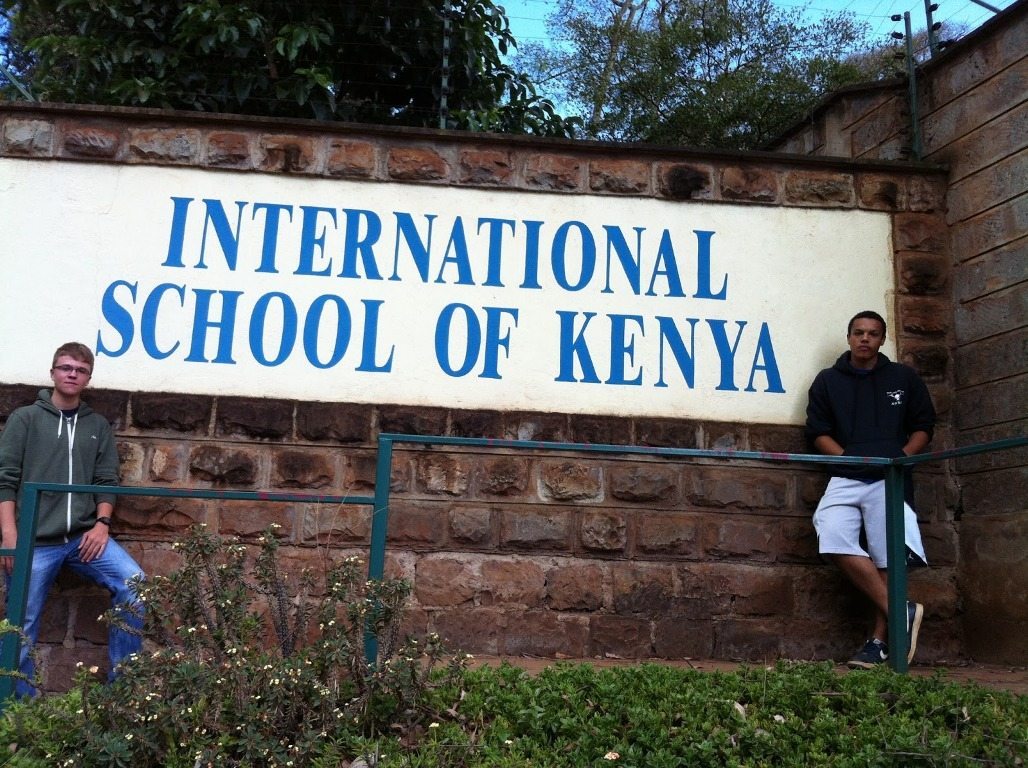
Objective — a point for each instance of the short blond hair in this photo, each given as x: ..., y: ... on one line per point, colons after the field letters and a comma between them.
x: 75, y: 350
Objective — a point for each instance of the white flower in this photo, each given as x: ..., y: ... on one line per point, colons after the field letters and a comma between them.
x: 611, y: 756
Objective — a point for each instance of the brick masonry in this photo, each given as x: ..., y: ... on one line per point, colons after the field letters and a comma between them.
x: 526, y: 552
x: 974, y: 120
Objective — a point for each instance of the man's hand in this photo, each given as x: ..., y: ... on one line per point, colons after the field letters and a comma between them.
x: 93, y: 543
x: 10, y: 541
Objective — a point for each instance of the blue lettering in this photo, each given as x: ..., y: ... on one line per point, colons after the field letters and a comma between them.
x: 269, y: 248
x: 119, y: 318
x: 368, y: 356
x: 457, y: 254
x: 496, y: 227
x: 312, y: 241
x: 312, y: 331
x: 670, y: 337
x: 666, y: 266
x: 148, y: 320
x: 202, y: 323
x: 493, y: 339
x: 622, y: 346
x: 726, y: 352
x: 770, y: 366
x: 631, y: 265
x: 473, y: 339
x: 258, y: 326
x: 355, y: 245
x: 419, y: 249
x: 703, y: 290
x: 178, y: 231
x: 227, y: 238
x: 573, y: 347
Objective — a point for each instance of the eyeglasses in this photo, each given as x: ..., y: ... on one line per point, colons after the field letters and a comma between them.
x: 67, y: 370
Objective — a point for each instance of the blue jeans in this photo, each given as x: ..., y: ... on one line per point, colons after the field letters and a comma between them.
x: 113, y: 570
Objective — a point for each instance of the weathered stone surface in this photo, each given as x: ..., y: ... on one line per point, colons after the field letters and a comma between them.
x: 359, y: 470
x: 604, y: 531
x: 155, y: 519
x: 796, y: 540
x: 30, y: 138
x: 112, y: 404
x: 757, y: 640
x: 416, y: 525
x: 131, y: 456
x: 677, y: 535
x: 543, y: 633
x: 228, y: 149
x: 819, y: 188
x: 549, y: 427
x: 289, y: 154
x: 774, y: 438
x: 752, y: 538
x: 926, y: 193
x: 176, y: 413
x: 737, y: 488
x: 991, y: 229
x: 749, y: 183
x: 994, y: 271
x: 571, y: 481
x: 543, y: 529
x: 642, y: 590
x: 335, y: 422
x: 445, y: 581
x: 250, y: 520
x: 442, y: 474
x: 486, y: 167
x: 412, y: 421
x: 350, y: 159
x: 923, y: 274
x: 473, y: 630
x: 992, y: 314
x: 504, y: 476
x: 335, y: 524
x: 924, y: 316
x: 929, y: 360
x: 677, y: 638
x: 644, y: 483
x: 576, y: 586
x: 995, y: 493
x: 301, y: 469
x: 90, y: 141
x: 919, y: 232
x: 270, y: 419
x: 880, y: 193
x: 476, y: 424
x: 602, y: 430
x: 515, y: 582
x: 472, y: 527
x: 620, y: 637
x: 14, y: 396
x: 215, y: 464
x: 667, y: 433
x: 550, y: 171
x: 622, y: 176
x: 723, y: 437
x: 416, y: 164
x: 163, y: 145
x: 994, y: 402
x: 683, y: 181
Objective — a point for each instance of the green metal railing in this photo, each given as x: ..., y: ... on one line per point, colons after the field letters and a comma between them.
x: 894, y: 491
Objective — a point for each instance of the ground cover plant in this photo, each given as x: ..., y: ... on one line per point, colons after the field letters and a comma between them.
x: 245, y: 668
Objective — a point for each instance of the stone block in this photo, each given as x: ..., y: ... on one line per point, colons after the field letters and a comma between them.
x: 990, y: 272
x: 168, y: 463
x: 686, y: 181
x: 737, y: 489
x: 444, y: 582
x: 476, y: 424
x: 218, y: 465
x: 131, y: 458
x: 940, y: 541
x: 473, y: 630
x: 547, y: 427
x: 553, y: 172
x: 996, y: 459
x: 753, y: 640
x: 929, y: 360
x: 924, y: 316
x: 178, y: 146
x: 642, y: 590
x: 991, y: 229
x: 62, y: 664
x: 511, y: 582
x: 359, y: 470
x: 416, y: 525
x: 412, y: 421
x: 228, y: 149
x: 302, y: 469
x: 416, y: 164
x: 619, y: 176
x: 751, y: 538
x: 249, y: 520
x: 154, y: 518
x: 880, y: 193
x: 571, y: 481
x: 505, y: 476
x: 992, y: 403
x: 991, y: 315
x: 261, y: 419
x: 486, y: 167
x: 683, y: 639
x: 749, y: 183
x: 644, y: 483
x: 173, y: 413
x: 27, y: 138
x: 546, y: 634
x: 349, y: 159
x: 620, y: 637
x: 810, y: 487
x: 820, y: 188
x: 723, y: 437
x: 112, y: 404
x: 288, y: 154
x: 603, y: 531
x: 926, y: 193
x: 670, y: 534
x: 667, y: 433
x: 330, y: 524
x: 576, y: 586
x: 334, y: 422
x: 603, y: 430
x: 754, y: 591
x: 14, y: 396
x: 85, y: 612
x: 90, y: 141
x: 472, y: 527
x: 774, y: 438
x: 442, y: 474
x: 796, y: 540
x: 535, y: 528
x: 922, y: 232
x: 923, y: 274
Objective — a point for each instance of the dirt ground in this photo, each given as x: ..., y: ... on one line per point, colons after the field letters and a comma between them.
x: 1005, y: 678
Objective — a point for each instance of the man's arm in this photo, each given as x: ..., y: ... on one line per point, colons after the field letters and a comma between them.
x: 8, y: 532
x: 827, y: 445
x: 917, y: 442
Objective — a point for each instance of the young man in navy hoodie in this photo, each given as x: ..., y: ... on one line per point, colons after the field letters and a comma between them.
x: 867, y: 405
x: 60, y: 439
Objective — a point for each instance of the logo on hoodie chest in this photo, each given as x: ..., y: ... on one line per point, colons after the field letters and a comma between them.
x: 895, y: 397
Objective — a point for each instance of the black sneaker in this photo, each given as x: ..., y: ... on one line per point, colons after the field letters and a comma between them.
x: 915, y: 612
x: 873, y: 653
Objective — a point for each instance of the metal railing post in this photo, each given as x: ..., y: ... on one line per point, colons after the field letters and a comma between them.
x: 379, y: 529
x: 896, y: 548
x: 18, y: 588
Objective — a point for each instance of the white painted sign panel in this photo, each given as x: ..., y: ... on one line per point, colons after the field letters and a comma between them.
x: 198, y: 281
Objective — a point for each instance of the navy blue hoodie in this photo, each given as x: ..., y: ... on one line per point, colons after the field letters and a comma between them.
x: 868, y: 414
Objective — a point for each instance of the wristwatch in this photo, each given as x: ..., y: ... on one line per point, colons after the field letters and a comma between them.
x: 104, y: 520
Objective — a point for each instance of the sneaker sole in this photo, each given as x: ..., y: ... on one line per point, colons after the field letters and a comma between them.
x: 864, y: 664
x: 915, y: 627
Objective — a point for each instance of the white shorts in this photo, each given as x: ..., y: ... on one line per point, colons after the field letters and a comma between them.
x: 851, y: 506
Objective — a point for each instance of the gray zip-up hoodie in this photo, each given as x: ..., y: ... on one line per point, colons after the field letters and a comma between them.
x: 39, y: 444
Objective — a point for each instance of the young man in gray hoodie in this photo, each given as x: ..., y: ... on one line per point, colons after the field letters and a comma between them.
x: 60, y: 439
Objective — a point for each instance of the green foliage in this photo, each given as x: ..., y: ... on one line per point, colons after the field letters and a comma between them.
x: 708, y: 73
x: 236, y: 677
x: 373, y: 61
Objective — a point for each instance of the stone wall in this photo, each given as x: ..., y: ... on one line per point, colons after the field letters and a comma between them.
x: 523, y: 552
x: 974, y: 109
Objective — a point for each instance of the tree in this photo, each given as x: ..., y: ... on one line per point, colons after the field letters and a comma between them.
x: 708, y: 73
x: 376, y: 61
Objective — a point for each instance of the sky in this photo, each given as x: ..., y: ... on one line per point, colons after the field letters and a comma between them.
x: 527, y: 17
